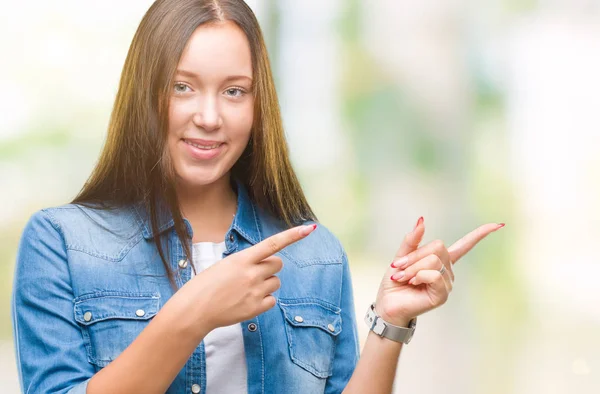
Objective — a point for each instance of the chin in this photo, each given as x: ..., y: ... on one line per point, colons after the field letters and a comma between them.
x: 196, y: 177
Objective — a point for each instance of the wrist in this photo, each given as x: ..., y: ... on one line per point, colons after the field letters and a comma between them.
x: 390, y: 330
x: 400, y: 321
x: 383, y: 342
x: 185, y: 316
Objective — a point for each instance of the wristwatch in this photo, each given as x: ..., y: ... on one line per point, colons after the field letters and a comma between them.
x: 387, y: 330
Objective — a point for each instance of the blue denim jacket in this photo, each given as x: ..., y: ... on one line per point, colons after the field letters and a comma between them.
x: 88, y: 281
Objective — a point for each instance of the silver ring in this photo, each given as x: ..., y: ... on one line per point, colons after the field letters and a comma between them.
x: 443, y: 269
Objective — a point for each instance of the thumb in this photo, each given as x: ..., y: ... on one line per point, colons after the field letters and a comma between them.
x: 412, y: 240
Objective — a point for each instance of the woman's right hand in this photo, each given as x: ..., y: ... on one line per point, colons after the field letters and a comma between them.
x: 238, y: 287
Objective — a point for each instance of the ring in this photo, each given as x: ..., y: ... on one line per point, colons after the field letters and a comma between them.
x: 443, y: 269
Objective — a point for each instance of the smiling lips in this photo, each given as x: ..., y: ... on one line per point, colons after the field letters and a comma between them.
x: 202, y: 144
x: 203, y: 149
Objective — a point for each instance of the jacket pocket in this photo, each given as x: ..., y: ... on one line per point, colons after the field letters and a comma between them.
x: 110, y: 321
x: 311, y: 327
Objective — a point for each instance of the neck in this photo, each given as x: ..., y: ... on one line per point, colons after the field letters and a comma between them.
x: 209, y: 209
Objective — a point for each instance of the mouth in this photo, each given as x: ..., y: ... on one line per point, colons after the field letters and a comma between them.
x: 201, y: 144
x: 203, y: 149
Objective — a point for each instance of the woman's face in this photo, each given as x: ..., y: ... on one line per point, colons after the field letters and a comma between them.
x: 211, y: 106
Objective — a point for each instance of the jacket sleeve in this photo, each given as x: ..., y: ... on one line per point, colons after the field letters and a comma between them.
x: 347, y: 349
x: 50, y: 351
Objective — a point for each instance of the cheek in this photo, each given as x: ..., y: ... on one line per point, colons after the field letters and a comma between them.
x: 241, y: 120
x: 178, y: 116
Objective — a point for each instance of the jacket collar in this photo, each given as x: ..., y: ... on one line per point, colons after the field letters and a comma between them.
x: 245, y: 223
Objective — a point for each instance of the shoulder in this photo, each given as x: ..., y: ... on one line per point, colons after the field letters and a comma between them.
x: 88, y: 229
x: 320, y: 247
x: 71, y: 218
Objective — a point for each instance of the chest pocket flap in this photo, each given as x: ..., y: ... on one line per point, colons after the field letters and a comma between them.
x: 311, y: 327
x: 110, y: 321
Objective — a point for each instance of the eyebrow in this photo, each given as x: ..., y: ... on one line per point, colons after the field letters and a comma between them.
x: 230, y: 78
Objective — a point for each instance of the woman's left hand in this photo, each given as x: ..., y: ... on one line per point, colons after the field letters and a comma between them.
x: 416, y: 282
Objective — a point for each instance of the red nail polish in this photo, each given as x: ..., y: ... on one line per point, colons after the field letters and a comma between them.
x: 392, y: 265
x: 392, y: 277
x: 418, y: 222
x: 305, y: 230
x: 500, y: 225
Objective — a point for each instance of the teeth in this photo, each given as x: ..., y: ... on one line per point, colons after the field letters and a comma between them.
x: 206, y: 147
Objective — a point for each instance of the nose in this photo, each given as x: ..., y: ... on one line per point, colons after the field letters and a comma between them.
x: 208, y: 116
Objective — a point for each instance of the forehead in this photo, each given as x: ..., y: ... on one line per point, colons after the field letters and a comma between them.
x: 217, y: 50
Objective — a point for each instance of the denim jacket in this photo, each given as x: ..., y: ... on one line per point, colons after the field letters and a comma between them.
x: 88, y: 281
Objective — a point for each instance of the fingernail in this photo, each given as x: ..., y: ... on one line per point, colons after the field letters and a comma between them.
x: 418, y: 222
x: 500, y: 225
x: 397, y: 276
x: 413, y: 281
x: 305, y: 230
x: 401, y: 263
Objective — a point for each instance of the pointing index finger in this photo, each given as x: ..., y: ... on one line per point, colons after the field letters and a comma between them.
x: 275, y: 243
x: 468, y: 242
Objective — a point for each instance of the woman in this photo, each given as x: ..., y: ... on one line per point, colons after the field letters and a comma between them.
x: 122, y: 290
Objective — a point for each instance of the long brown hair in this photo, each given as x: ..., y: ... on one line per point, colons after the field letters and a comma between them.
x: 135, y: 167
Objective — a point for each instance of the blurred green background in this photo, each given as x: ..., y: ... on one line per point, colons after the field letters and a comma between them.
x: 461, y: 112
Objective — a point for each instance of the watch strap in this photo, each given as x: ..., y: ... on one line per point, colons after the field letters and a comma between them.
x: 388, y: 330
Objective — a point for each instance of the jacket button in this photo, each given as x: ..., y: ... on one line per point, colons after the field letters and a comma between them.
x: 252, y: 327
x: 299, y: 319
x: 195, y: 388
x: 183, y: 264
x: 231, y: 238
x: 87, y: 316
x: 331, y: 327
x: 140, y: 313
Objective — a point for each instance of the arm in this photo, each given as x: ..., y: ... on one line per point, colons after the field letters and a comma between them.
x: 154, y: 358
x: 418, y: 280
x: 374, y: 372
x: 376, y: 368
x: 51, y: 355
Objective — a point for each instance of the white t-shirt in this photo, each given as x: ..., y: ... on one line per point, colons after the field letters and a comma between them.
x: 226, y: 370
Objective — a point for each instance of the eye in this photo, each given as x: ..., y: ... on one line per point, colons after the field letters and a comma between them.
x: 235, y: 92
x: 179, y: 87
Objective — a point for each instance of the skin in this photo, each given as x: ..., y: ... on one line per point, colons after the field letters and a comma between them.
x: 421, y: 289
x: 206, y: 105
x: 415, y: 285
x: 211, y: 100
